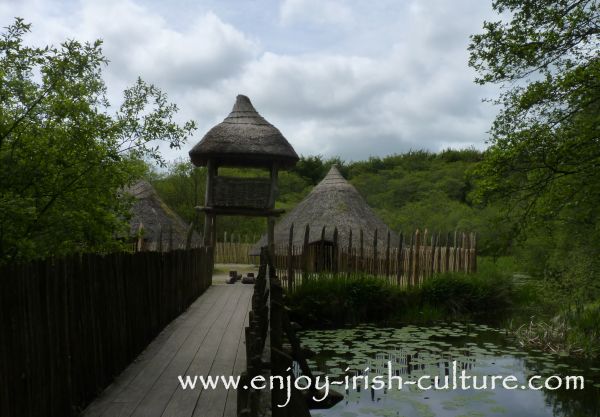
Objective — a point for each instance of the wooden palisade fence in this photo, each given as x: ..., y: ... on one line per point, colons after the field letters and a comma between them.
x: 234, y: 249
x: 407, y: 262
x: 272, y: 347
x: 69, y: 326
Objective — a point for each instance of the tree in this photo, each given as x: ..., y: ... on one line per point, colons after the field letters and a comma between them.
x: 65, y: 155
x: 545, y: 144
x: 182, y: 187
x: 544, y: 158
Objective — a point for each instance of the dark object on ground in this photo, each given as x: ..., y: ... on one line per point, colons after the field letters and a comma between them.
x: 233, y: 277
x: 249, y: 278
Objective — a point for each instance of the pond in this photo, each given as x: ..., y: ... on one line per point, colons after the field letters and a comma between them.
x: 445, y: 351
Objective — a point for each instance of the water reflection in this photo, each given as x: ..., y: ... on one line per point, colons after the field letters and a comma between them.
x: 416, y: 351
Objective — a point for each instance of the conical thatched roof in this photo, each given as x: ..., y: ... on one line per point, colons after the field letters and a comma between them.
x: 334, y: 202
x: 244, y: 138
x: 154, y: 215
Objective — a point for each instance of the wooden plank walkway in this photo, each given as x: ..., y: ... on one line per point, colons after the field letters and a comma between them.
x: 208, y: 339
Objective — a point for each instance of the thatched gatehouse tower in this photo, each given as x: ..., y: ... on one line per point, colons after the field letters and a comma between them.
x: 244, y: 139
x: 333, y: 203
x: 153, y: 225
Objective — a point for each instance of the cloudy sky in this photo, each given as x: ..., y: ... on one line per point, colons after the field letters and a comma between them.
x: 348, y: 78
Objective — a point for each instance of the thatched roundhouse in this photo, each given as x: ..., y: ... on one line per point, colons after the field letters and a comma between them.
x: 153, y: 224
x: 333, y: 203
x: 244, y: 138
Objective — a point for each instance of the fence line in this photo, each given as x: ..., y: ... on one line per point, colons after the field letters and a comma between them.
x: 69, y: 326
x: 274, y: 350
x: 234, y: 249
x: 407, y: 262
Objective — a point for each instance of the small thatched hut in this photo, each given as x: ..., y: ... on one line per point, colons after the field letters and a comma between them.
x: 333, y: 203
x: 153, y: 224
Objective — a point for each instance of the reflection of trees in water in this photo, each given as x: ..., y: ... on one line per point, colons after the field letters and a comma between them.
x: 569, y: 403
x: 405, y: 362
x: 574, y: 403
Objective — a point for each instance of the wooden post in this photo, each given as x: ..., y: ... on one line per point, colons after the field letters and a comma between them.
x: 208, y: 201
x: 423, y: 264
x: 399, y: 260
x: 416, y: 256
x: 447, y: 254
x: 439, y: 253
x: 454, y: 257
x: 387, y: 255
x: 321, y: 255
x: 434, y: 239
x: 362, y: 252
x: 271, y: 237
x: 461, y: 244
x: 411, y: 254
x: 349, y: 261
x: 290, y: 266
x: 305, y: 253
x: 334, y: 252
x: 213, y: 227
x: 274, y: 189
x: 159, y: 247
x: 188, y: 237
x: 474, y: 249
x: 375, y: 270
x: 466, y: 247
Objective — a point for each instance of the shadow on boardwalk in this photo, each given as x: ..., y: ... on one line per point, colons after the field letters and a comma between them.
x: 208, y: 339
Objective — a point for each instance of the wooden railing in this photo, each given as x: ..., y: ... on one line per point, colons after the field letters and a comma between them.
x: 272, y: 349
x: 406, y: 262
x: 69, y: 326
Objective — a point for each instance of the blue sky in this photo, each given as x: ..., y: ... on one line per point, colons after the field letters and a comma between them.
x: 348, y: 78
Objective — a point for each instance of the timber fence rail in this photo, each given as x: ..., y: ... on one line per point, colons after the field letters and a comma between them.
x: 407, y: 262
x: 69, y: 326
x: 273, y: 349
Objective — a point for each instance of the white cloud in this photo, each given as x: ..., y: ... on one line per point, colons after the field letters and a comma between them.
x: 315, y: 11
x: 396, y: 80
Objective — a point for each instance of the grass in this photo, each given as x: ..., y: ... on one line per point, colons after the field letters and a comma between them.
x: 342, y: 300
x: 574, y: 331
x: 545, y: 318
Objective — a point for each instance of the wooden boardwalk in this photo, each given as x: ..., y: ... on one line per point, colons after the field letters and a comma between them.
x: 208, y: 339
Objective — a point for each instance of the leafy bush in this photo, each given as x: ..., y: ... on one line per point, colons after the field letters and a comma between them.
x: 459, y: 293
x: 342, y: 300
x: 336, y: 301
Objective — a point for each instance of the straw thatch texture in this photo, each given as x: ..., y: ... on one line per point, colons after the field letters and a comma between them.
x: 334, y: 202
x: 155, y: 216
x: 244, y: 138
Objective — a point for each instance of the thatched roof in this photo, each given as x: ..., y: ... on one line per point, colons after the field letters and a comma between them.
x: 244, y: 138
x: 154, y: 216
x: 334, y: 202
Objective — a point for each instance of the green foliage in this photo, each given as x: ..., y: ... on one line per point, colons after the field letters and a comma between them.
x: 337, y: 301
x: 460, y: 293
x: 64, y: 157
x: 340, y: 300
x: 409, y: 191
x: 314, y: 168
x: 182, y: 188
x: 543, y: 165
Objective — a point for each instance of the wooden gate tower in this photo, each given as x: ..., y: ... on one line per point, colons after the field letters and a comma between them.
x: 243, y: 140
